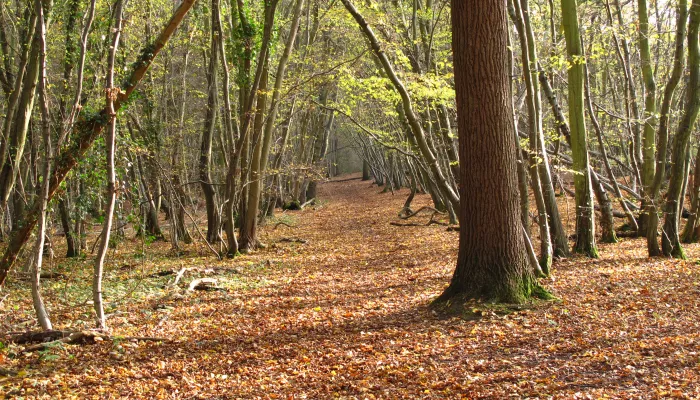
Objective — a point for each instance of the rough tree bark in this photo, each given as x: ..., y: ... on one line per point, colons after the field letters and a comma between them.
x: 493, y: 261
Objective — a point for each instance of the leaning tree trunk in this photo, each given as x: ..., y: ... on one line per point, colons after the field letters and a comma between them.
x: 557, y: 231
x: 493, y: 261
x: 407, y: 104
x: 607, y: 222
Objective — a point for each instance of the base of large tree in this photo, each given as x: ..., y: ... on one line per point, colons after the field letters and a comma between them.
x: 506, y: 293
x: 469, y: 309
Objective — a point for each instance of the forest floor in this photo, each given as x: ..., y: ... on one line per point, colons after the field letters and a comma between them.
x: 337, y: 307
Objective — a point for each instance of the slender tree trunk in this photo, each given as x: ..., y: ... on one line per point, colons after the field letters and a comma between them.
x: 72, y: 244
x: 649, y: 117
x: 663, y: 133
x: 235, y: 158
x: 39, y: 306
x: 537, y: 153
x: 607, y: 222
x: 20, y: 126
x: 670, y: 240
x: 262, y: 151
x: 110, y: 97
x: 585, y: 215
x: 205, y: 180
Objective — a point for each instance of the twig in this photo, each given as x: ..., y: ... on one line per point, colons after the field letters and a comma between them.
x: 293, y: 240
x: 7, y: 372
x: 283, y: 223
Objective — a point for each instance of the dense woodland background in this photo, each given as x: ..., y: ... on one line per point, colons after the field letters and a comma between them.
x: 171, y: 131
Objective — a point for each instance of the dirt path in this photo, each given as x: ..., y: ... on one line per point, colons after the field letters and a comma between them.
x: 345, y: 315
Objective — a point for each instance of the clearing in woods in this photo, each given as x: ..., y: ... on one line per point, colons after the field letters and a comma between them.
x: 337, y: 307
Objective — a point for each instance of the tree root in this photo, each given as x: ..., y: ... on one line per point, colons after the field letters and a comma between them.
x: 406, y: 213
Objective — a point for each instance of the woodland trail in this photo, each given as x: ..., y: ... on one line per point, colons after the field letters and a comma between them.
x: 345, y: 315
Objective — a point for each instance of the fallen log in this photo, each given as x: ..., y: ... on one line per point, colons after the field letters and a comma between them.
x: 71, y: 337
x: 308, y: 202
x: 204, y: 284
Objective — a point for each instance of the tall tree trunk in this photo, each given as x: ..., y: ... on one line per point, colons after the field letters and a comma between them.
x: 607, y: 222
x: 262, y: 151
x: 670, y: 240
x: 110, y: 97
x: 250, y: 98
x: 537, y: 153
x: 20, y: 125
x: 493, y: 262
x: 663, y: 133
x: 39, y: 306
x: 585, y: 215
x: 248, y: 240
x: 649, y: 117
x: 213, y: 216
